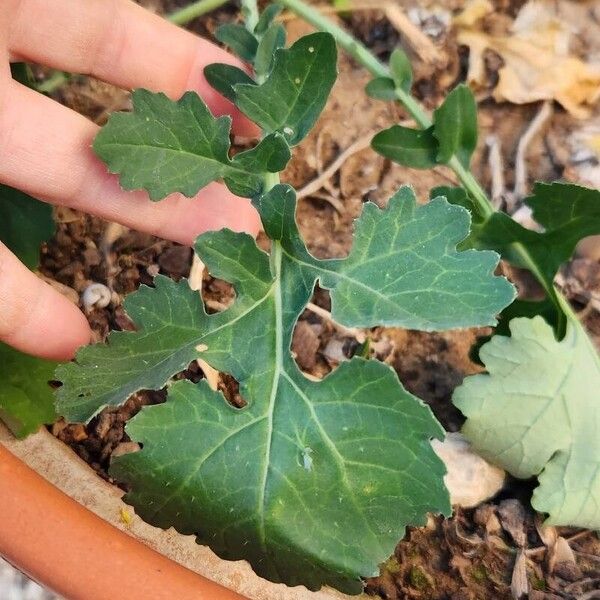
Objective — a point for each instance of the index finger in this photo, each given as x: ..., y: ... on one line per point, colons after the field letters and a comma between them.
x: 121, y: 43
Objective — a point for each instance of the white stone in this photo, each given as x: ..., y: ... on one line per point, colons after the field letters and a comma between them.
x: 471, y: 479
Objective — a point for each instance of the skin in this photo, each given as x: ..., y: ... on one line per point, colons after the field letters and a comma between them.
x: 45, y: 148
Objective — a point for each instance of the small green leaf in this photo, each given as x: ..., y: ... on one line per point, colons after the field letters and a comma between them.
x: 266, y: 18
x: 382, y: 88
x: 271, y: 155
x: 225, y: 77
x: 165, y: 146
x: 26, y: 398
x: 25, y: 223
x: 567, y: 212
x: 416, y: 148
x: 456, y: 195
x: 536, y: 413
x: 272, y: 40
x: 239, y: 40
x: 455, y: 126
x: 294, y: 94
x: 401, y: 70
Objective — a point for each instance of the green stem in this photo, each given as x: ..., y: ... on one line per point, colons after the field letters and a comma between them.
x: 351, y: 45
x: 53, y: 83
x: 193, y: 11
x: 364, y: 56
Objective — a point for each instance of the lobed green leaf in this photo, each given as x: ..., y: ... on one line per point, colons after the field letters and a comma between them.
x: 165, y: 146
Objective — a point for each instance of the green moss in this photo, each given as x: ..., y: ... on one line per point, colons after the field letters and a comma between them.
x: 419, y: 579
x: 391, y: 565
x: 538, y: 583
x: 479, y: 574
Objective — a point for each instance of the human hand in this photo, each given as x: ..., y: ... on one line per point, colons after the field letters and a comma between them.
x: 45, y: 148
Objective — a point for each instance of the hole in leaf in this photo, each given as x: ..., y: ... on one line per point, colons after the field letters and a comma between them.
x: 230, y: 388
x: 217, y: 294
x: 318, y: 346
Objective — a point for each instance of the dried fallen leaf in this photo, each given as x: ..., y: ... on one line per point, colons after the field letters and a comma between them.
x: 538, y: 64
x: 519, y: 585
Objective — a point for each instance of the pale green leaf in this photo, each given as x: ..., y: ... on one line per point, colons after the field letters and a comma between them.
x: 25, y: 223
x: 26, y: 398
x: 455, y: 126
x: 536, y: 413
x: 416, y: 148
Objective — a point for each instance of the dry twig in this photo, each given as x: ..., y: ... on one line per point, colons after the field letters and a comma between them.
x: 316, y: 184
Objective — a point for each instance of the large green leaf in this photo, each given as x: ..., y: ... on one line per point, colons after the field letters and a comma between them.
x: 26, y: 398
x: 165, y: 146
x: 25, y: 223
x: 403, y: 270
x: 537, y: 413
x: 348, y: 457
x: 295, y: 92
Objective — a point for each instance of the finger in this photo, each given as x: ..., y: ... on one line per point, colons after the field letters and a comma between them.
x: 45, y: 150
x: 122, y: 43
x: 34, y: 318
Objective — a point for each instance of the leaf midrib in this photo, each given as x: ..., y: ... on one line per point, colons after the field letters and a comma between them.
x: 229, y: 165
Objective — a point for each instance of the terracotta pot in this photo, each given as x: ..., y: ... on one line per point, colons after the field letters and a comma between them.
x: 69, y: 530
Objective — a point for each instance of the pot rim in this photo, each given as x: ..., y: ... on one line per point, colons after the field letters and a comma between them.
x: 80, y: 556
x: 68, y: 529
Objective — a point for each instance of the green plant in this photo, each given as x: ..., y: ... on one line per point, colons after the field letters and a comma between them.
x: 26, y: 399
x: 312, y: 482
x: 536, y: 412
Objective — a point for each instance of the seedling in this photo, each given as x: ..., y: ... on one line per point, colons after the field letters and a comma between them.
x: 312, y: 482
